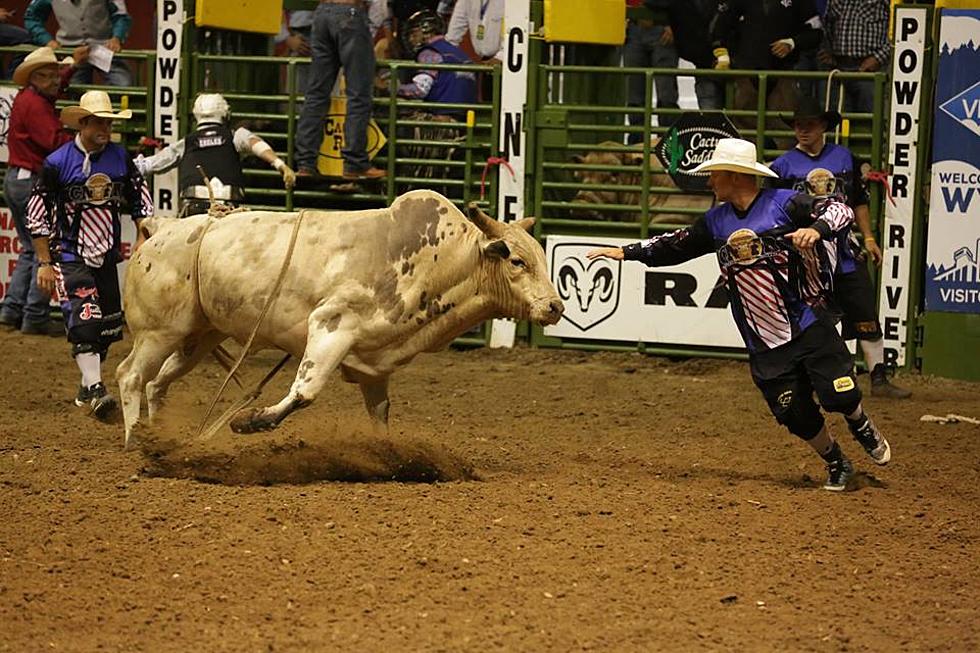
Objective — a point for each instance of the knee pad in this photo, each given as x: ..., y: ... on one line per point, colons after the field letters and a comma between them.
x: 798, y: 413
x: 85, y: 348
x: 844, y: 397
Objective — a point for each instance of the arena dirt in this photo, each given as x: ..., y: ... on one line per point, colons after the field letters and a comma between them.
x: 621, y: 502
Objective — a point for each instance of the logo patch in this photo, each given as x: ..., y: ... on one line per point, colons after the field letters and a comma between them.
x: 843, y: 384
x: 820, y: 182
x: 745, y: 246
x: 90, y: 312
x: 98, y: 187
x: 785, y: 398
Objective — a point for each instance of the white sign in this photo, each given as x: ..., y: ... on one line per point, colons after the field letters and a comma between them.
x: 513, y: 139
x: 626, y: 300
x: 166, y: 120
x: 907, y: 69
x: 7, y: 94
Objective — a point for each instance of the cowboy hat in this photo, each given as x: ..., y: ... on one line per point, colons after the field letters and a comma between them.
x: 43, y: 56
x: 93, y: 103
x: 735, y: 155
x: 810, y: 108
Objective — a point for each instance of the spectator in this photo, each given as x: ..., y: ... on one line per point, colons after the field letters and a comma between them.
x: 423, y: 35
x: 484, y: 21
x: 857, y: 33
x: 826, y: 170
x: 650, y: 44
x: 765, y: 35
x: 74, y: 215
x: 295, y: 33
x: 12, y: 35
x: 691, y: 22
x: 218, y: 151
x: 84, y: 22
x: 340, y: 38
x: 34, y: 131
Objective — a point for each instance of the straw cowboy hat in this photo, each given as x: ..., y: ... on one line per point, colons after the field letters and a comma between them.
x: 810, y: 108
x: 93, y: 103
x: 43, y: 56
x: 735, y: 155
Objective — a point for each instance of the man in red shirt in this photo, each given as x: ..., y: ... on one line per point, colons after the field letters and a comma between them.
x: 34, y: 132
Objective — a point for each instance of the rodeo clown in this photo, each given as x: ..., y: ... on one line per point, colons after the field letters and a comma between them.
x: 218, y: 151
x: 74, y: 217
x: 766, y: 244
x: 824, y: 169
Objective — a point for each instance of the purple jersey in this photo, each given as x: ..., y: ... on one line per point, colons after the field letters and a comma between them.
x: 774, y: 288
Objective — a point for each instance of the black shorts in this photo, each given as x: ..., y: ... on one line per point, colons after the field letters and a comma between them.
x: 855, y: 296
x: 816, y: 361
x: 90, y: 304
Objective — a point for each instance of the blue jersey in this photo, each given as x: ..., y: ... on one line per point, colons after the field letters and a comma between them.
x: 775, y: 290
x: 832, y: 173
x: 451, y: 86
x: 77, y: 202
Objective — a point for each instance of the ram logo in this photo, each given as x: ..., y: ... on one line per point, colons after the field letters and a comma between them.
x: 590, y: 289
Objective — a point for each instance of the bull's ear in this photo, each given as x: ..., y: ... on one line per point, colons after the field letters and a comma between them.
x: 527, y: 224
x: 498, y: 249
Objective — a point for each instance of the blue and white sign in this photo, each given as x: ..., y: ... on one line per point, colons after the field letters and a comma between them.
x: 953, y: 249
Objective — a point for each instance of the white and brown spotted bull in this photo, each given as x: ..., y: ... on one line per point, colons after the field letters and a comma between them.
x: 365, y: 291
x: 622, y: 196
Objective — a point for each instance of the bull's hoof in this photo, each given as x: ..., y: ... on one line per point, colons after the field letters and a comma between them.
x: 251, y: 420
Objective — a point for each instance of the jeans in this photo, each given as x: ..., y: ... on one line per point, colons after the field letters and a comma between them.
x: 710, y: 92
x: 23, y: 299
x: 13, y: 35
x: 644, y: 50
x: 340, y: 37
x: 118, y: 74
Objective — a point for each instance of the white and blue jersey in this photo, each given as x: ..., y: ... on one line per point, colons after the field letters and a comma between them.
x: 78, y: 201
x: 776, y: 291
x: 833, y: 173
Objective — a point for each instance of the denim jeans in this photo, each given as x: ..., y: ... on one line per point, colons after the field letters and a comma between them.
x: 644, y: 50
x: 118, y: 74
x: 340, y: 38
x: 710, y: 92
x: 23, y: 299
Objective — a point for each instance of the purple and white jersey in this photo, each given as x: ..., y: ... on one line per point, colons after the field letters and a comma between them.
x: 775, y: 290
x: 78, y: 199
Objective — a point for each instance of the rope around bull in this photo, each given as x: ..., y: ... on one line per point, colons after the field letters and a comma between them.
x: 248, y: 397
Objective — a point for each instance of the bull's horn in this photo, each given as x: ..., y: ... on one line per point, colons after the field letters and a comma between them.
x: 484, y: 222
x: 527, y: 224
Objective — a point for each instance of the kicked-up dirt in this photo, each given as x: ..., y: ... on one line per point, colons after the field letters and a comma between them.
x: 609, y: 502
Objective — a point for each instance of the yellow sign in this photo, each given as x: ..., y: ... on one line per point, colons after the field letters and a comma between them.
x: 585, y: 21
x: 330, y: 163
x: 260, y: 16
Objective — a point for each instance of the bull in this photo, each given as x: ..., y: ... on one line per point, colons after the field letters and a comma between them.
x: 611, y: 194
x: 365, y: 291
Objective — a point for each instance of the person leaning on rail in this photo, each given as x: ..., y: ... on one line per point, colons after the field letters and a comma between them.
x: 777, y: 276
x: 825, y: 170
x: 217, y: 150
x: 74, y: 215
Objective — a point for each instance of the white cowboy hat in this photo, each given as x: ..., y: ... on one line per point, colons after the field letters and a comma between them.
x: 43, y: 56
x: 93, y: 103
x: 735, y: 155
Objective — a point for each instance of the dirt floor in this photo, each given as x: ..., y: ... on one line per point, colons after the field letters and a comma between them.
x: 621, y: 503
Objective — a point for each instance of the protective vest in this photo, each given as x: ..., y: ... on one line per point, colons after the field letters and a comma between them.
x: 452, y: 86
x: 212, y: 147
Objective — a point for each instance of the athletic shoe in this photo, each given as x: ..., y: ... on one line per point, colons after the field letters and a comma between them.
x: 97, y: 398
x: 839, y: 472
x: 869, y: 437
x: 881, y: 386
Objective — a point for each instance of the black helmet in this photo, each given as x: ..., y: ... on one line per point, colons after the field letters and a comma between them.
x: 419, y: 28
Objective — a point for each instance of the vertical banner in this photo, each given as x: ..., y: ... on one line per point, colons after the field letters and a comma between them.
x: 953, y: 249
x: 513, y: 138
x: 166, y: 121
x: 907, y: 69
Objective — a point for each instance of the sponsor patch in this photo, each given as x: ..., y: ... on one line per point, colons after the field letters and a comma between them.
x: 90, y: 312
x: 843, y: 384
x: 785, y: 398
x: 82, y: 293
